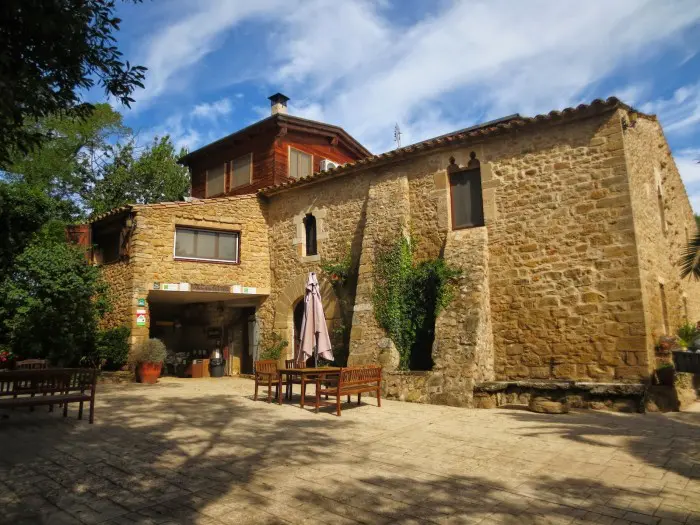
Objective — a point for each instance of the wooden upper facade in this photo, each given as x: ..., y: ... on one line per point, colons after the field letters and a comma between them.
x: 272, y: 151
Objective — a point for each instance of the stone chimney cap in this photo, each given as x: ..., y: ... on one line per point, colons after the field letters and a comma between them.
x: 278, y: 98
x: 278, y: 103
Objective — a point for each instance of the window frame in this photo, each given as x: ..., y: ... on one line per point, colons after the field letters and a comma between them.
x: 237, y: 233
x: 476, y: 172
x: 308, y: 230
x: 289, y: 161
x: 250, y: 172
x: 206, y: 183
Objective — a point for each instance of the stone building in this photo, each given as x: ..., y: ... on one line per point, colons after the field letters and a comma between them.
x: 566, y: 226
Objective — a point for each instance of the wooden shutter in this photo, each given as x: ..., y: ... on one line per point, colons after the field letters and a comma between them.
x: 242, y: 171
x: 467, y: 200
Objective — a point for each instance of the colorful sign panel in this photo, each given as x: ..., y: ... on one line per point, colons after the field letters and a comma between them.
x: 141, y: 320
x: 141, y: 301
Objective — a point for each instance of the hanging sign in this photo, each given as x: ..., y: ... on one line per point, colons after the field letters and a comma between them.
x: 141, y: 320
x: 141, y: 301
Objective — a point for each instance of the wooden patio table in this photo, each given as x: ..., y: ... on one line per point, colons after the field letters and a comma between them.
x: 308, y: 375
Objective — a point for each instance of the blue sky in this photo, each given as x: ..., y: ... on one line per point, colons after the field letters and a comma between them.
x: 433, y: 66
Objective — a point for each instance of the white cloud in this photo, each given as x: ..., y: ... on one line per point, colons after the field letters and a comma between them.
x: 355, y: 66
x: 170, y: 52
x: 213, y: 110
x: 689, y: 168
x: 679, y: 113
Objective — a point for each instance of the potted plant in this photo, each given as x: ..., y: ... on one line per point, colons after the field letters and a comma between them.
x: 7, y: 359
x: 148, y: 360
x: 665, y: 374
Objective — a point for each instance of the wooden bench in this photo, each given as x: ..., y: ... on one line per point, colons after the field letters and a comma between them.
x: 49, y: 387
x: 267, y: 372
x: 350, y: 380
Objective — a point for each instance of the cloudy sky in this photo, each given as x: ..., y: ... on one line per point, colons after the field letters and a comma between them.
x: 432, y: 66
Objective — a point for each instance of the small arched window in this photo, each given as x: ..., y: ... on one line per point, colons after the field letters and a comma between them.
x: 310, y: 227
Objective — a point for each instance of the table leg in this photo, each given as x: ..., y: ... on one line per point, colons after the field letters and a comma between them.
x: 303, y: 389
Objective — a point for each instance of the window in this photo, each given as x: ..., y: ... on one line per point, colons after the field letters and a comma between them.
x: 299, y: 164
x: 208, y: 245
x: 215, y: 180
x: 108, y: 246
x: 242, y: 171
x: 310, y: 227
x: 465, y: 194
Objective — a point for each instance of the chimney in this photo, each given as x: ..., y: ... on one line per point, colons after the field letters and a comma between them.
x: 278, y: 103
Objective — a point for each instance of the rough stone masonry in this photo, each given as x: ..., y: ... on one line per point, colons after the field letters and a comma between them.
x: 573, y: 277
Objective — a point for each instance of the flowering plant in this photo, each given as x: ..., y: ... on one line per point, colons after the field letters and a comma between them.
x: 6, y: 356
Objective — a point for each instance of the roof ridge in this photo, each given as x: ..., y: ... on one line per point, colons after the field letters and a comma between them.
x: 479, y: 130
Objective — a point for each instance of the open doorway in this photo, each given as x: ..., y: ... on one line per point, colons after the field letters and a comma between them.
x: 298, y: 318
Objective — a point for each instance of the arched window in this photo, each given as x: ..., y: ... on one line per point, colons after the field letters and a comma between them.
x: 465, y: 195
x: 310, y: 227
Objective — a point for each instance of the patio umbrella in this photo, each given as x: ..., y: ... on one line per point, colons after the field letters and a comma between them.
x: 314, y: 332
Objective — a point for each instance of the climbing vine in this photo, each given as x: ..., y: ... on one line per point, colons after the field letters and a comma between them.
x: 408, y: 297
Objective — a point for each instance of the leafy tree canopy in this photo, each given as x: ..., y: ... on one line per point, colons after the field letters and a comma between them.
x: 51, y: 51
x: 151, y: 176
x: 68, y: 163
x: 50, y: 303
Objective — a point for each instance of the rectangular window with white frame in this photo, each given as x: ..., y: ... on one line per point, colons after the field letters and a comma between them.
x: 242, y: 171
x: 300, y: 163
x: 206, y: 245
x: 216, y: 180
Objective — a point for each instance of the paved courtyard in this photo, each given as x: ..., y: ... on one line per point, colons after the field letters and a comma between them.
x: 203, y: 452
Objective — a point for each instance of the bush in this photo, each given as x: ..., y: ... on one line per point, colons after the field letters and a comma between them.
x: 150, y: 351
x: 50, y: 304
x: 274, y: 344
x: 687, y: 333
x: 112, y: 347
x: 407, y: 299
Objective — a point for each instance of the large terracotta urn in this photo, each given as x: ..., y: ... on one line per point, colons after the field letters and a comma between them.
x: 149, y: 372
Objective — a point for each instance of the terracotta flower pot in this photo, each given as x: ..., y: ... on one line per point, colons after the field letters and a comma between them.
x: 149, y: 372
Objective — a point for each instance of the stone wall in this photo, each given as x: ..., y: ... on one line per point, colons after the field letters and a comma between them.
x: 339, y: 206
x: 119, y: 278
x: 152, y: 247
x: 566, y: 298
x: 661, y: 236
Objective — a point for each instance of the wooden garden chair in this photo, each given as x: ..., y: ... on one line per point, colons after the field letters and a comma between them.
x: 267, y: 372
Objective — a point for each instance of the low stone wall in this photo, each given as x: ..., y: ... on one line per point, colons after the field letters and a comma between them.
x: 618, y: 397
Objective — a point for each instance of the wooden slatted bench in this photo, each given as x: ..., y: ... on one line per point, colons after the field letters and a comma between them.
x: 49, y: 387
x: 349, y: 381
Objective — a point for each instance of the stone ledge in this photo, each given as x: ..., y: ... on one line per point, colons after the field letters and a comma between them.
x: 625, y: 389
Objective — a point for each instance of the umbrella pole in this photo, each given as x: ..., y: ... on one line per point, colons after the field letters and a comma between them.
x: 316, y: 351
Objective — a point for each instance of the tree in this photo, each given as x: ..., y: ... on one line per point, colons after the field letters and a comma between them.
x: 67, y: 164
x: 24, y: 211
x: 51, y: 53
x: 690, y: 261
x: 51, y: 302
x: 153, y: 176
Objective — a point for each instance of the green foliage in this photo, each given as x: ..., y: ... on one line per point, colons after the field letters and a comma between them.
x: 51, y: 53
x: 338, y: 272
x: 407, y: 299
x: 687, y: 333
x: 150, y: 351
x: 151, y: 176
x: 690, y: 260
x: 71, y: 157
x: 112, y: 347
x: 697, y: 221
x: 50, y: 303
x: 274, y: 344
x: 24, y: 211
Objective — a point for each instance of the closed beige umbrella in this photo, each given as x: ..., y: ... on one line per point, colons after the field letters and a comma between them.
x: 315, y: 340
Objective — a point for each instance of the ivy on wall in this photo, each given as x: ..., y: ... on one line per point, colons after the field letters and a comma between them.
x: 408, y: 297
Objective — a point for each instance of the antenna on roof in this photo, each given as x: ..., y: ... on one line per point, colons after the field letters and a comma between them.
x: 397, y: 135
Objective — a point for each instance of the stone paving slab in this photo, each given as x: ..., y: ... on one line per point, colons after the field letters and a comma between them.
x: 203, y: 452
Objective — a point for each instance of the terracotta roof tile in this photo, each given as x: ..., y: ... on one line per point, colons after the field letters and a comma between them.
x: 516, y: 121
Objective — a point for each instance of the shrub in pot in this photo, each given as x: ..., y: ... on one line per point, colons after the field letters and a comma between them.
x: 665, y: 374
x: 148, y: 360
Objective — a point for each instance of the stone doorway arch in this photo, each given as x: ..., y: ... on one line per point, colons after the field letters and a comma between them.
x: 289, y: 298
